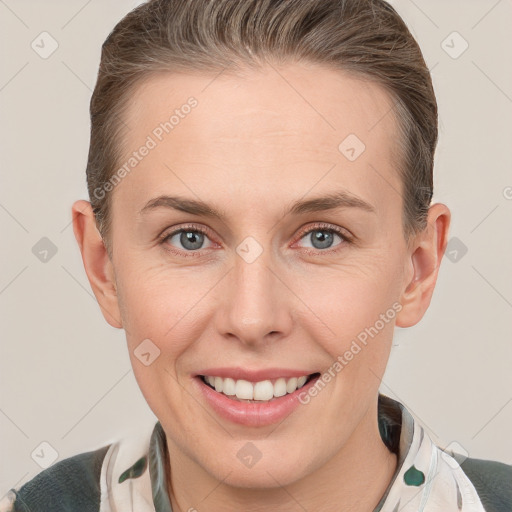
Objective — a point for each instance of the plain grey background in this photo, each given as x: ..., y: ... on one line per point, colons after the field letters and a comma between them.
x: 66, y: 378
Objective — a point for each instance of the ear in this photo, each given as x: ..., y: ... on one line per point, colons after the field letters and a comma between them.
x: 97, y: 264
x: 425, y: 255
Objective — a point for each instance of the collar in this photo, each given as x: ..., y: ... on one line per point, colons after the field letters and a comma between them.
x: 426, y: 478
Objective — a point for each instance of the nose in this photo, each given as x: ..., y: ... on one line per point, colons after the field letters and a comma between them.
x: 255, y: 303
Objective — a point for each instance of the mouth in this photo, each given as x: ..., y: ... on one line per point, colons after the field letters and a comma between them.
x: 254, y: 398
x: 269, y: 390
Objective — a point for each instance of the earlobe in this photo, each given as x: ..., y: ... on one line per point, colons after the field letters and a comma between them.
x: 424, y: 262
x: 97, y: 264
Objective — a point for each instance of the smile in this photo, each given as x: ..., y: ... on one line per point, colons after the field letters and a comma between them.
x: 262, y: 391
x: 265, y: 399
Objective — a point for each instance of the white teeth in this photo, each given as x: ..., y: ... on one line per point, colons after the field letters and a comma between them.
x: 218, y: 384
x: 259, y: 391
x: 291, y: 385
x: 244, y: 390
x: 301, y: 381
x: 280, y: 387
x: 228, y: 387
x: 263, y: 390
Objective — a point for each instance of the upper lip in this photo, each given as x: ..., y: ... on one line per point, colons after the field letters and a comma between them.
x: 237, y: 373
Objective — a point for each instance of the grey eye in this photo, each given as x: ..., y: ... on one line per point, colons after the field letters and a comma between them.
x: 190, y: 240
x: 321, y: 238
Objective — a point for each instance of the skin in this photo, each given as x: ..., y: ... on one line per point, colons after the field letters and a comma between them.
x: 254, y: 144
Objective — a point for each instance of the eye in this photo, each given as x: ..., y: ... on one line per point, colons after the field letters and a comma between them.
x: 189, y: 239
x: 323, y: 236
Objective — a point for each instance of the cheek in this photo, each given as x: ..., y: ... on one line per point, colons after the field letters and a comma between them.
x: 156, y: 299
x: 160, y: 314
x: 158, y: 331
x: 335, y: 301
x: 350, y: 295
x: 351, y: 312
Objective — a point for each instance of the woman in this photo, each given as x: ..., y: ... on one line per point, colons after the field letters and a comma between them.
x: 260, y: 219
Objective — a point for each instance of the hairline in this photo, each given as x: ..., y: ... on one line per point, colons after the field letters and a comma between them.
x: 397, y: 151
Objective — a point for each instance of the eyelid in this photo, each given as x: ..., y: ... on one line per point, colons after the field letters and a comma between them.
x: 184, y: 227
x: 178, y: 229
x: 317, y: 226
x: 343, y: 233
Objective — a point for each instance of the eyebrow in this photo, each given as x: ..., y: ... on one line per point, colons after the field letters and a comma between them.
x: 336, y: 200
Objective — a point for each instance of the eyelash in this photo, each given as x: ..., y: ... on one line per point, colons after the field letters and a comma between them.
x: 319, y: 226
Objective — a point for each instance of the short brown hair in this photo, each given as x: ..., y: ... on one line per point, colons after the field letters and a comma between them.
x: 364, y: 37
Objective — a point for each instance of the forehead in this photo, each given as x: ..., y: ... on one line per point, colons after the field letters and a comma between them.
x: 308, y: 99
x: 287, y: 124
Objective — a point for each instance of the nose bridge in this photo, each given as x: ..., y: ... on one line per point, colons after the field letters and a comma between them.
x: 254, y: 304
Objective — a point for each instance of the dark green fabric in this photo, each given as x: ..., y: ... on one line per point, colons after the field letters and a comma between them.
x: 159, y: 469
x: 389, y: 418
x: 492, y: 481
x: 70, y: 485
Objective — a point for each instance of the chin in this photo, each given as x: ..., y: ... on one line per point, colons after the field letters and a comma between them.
x: 271, y: 471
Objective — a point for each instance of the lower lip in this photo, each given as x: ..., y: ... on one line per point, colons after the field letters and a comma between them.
x: 253, y: 414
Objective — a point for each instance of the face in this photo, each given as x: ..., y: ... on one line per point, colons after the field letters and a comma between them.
x: 279, y: 283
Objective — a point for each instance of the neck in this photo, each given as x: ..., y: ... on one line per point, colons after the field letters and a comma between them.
x: 354, y: 480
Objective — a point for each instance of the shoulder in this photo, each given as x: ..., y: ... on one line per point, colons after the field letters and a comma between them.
x: 71, y: 485
x: 492, y: 481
